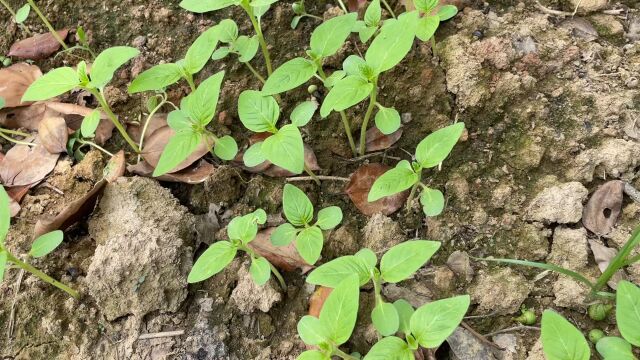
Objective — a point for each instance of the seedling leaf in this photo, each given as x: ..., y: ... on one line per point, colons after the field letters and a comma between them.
x: 628, y: 311
x: 373, y: 14
x: 328, y: 37
x: 55, y: 82
x: 260, y: 270
x: 108, y: 61
x: 297, y: 206
x: 311, y: 330
x: 227, y: 31
x: 283, y: 235
x: 393, y: 181
x: 561, y: 340
x: 330, y: 217
x: 22, y: 14
x: 226, y: 148
x: 156, y: 78
x: 390, y: 348
x: 427, y: 27
x: 340, y: 310
x: 257, y: 112
x: 393, y: 42
x: 446, y: 12
x: 433, y: 323
x: 90, y: 124
x: 302, y: 114
x: 253, y: 156
x: 385, y: 318
x: 178, y: 149
x: 368, y: 257
x: 405, y: 311
x: 201, y: 50
x: 309, y: 244
x: 243, y: 228
x: 312, y: 355
x: 202, y: 6
x: 614, y: 348
x: 201, y: 104
x: 247, y: 47
x: 432, y: 202
x: 46, y: 243
x: 332, y: 79
x: 404, y: 259
x: 289, y: 75
x: 285, y: 149
x: 178, y: 120
x: 335, y: 271
x: 212, y: 261
x: 345, y: 93
x: 433, y: 149
x: 387, y: 120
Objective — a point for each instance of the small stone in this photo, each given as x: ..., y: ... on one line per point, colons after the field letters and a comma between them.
x: 536, y: 352
x: 499, y: 291
x: 615, y: 158
x: 381, y: 233
x: 570, y: 293
x: 250, y: 297
x: 588, y: 6
x: 631, y: 82
x: 558, y: 204
x: 139, y: 41
x: 500, y: 196
x: 460, y: 264
x: 570, y: 248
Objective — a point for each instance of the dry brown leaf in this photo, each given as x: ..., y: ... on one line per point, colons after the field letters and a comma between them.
x: 378, y: 141
x: 26, y: 165
x: 80, y: 208
x: 601, y: 212
x: 54, y: 134
x: 317, y: 300
x: 15, y: 80
x: 283, y: 257
x: 194, y: 174
x: 358, y: 190
x: 38, y: 46
x: 157, y: 121
x: 16, y: 194
x: 603, y: 256
x: 355, y: 5
x: 159, y: 139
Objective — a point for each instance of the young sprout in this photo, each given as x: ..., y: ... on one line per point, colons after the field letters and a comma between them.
x: 243, y: 46
x: 397, y: 264
x: 64, y: 79
x: 42, y: 246
x: 18, y: 16
x: 83, y: 44
x: 306, y: 235
x: 189, y: 123
x: 45, y: 21
x: 431, y: 152
x: 367, y: 28
x: 84, y: 136
x: 428, y: 23
x: 241, y: 231
x: 301, y: 12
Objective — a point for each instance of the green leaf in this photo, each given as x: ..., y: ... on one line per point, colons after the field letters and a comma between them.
x: 332, y: 79
x: 260, y: 270
x: 3, y: 264
x: 393, y: 42
x: 243, y: 228
x: 340, y: 310
x: 257, y: 3
x: 247, y: 47
x: 297, y: 206
x: 628, y: 311
x: 201, y: 104
x: 385, y: 318
x: 22, y: 14
x: 212, y: 261
x: 387, y: 120
x: 427, y: 27
x: 5, y: 214
x: 2, y: 102
x: 156, y: 78
x: 312, y: 355
x: 561, y: 340
x: 295, y: 21
x: 434, y: 322
x: 373, y: 14
x: 289, y: 75
x: 432, y: 201
x: 178, y: 149
x: 576, y: 276
x: 302, y: 114
x: 283, y: 235
x: 425, y: 6
x: 390, y: 348
x: 90, y: 124
x: 201, y: 50
x: 366, y: 33
x: 108, y: 61
x: 257, y: 112
x: 355, y: 65
x: 330, y: 274
x: 446, y: 12
x: 329, y: 217
x: 201, y: 6
x: 393, y: 181
x: 311, y: 330
x: 220, y: 53
x: 179, y: 121
x: 285, y: 149
x: 345, y: 93
x: 328, y: 38
x: 254, y: 156
x: 226, y: 148
x: 260, y: 216
x: 227, y: 31
x: 368, y: 257
x: 309, y: 244
x: 46, y: 243
x: 55, y: 82
x: 615, y: 348
x: 405, y: 311
x: 403, y: 260
x: 433, y: 149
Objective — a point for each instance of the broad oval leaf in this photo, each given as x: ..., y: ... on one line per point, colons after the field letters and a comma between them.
x: 289, y: 75
x: 329, y: 36
x: 22, y: 14
x: 283, y: 235
x: 311, y: 330
x: 55, y: 82
x: 614, y: 348
x: 427, y: 27
x: 285, y: 149
x: 373, y: 14
x: 403, y: 260
x: 312, y: 355
x: 369, y: 258
x: 243, y: 228
x: 355, y: 65
x: 561, y: 340
x: 446, y: 12
x: 433, y: 323
x: 309, y: 244
x: 227, y: 30
x: 432, y: 201
x: 433, y: 149
x: 226, y: 148
x: 177, y: 150
x: 296, y: 206
x: 254, y: 156
x: 303, y: 112
x: 387, y: 120
x: 201, y: 6
x: 385, y: 318
x: 220, y: 53
x: 405, y: 311
x: 393, y: 181
x: 332, y: 273
x: 360, y: 184
x: 393, y: 42
x: 156, y: 78
x: 212, y: 261
x: 201, y: 50
x: 258, y: 113
x: 425, y: 6
x: 345, y: 93
x: 329, y: 217
x: 340, y: 310
x: 260, y: 270
x: 247, y: 47
x: 90, y: 124
x: 46, y: 243
x: 201, y: 104
x: 628, y: 311
x: 391, y: 347
x: 108, y: 61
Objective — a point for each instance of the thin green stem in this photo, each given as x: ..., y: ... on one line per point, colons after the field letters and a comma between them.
x: 343, y: 354
x: 263, y: 43
x: 367, y: 116
x: 14, y: 132
x: 47, y: 24
x: 344, y: 8
x: 313, y: 16
x: 18, y: 142
x: 386, y: 5
x: 413, y: 193
x: 91, y: 143
x: 146, y: 123
x: 343, y: 116
x: 44, y: 277
x: 278, y: 276
x: 189, y: 79
x: 310, y: 172
x: 114, y: 119
x: 255, y: 72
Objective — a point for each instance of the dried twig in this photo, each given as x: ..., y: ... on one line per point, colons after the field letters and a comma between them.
x: 632, y: 192
x: 480, y: 337
x: 511, y: 329
x: 161, y: 335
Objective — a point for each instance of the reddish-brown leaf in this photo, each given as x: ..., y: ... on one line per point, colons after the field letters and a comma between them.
x: 26, y: 165
x: 378, y: 141
x: 601, y: 212
x: 53, y: 134
x: 603, y: 256
x: 38, y: 46
x: 283, y: 257
x: 358, y: 190
x: 15, y: 80
x: 355, y: 5
x: 317, y: 300
x: 16, y: 194
x: 158, y: 141
x: 194, y: 174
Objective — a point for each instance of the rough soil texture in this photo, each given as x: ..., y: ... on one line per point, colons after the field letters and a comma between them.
x: 551, y: 107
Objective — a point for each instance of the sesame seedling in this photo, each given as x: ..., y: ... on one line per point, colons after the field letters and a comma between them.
x: 429, y: 22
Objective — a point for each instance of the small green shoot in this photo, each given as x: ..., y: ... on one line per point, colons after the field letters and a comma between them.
x: 429, y: 23
x: 372, y: 20
x: 306, y: 235
x: 18, y: 16
x: 46, y: 22
x: 84, y: 136
x: 301, y: 12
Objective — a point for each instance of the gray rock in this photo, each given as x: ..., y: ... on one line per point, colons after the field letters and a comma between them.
x: 465, y: 346
x: 499, y: 291
x: 460, y: 264
x: 570, y: 248
x: 250, y: 297
x: 143, y: 254
x: 558, y: 204
x: 569, y: 293
x: 614, y: 158
x: 381, y: 233
x: 536, y: 351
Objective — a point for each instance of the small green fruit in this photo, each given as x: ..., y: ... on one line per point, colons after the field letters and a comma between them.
x: 312, y: 88
x: 599, y: 312
x: 528, y: 317
x: 595, y: 335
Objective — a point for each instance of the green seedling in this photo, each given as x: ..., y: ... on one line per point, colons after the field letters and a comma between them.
x: 431, y: 152
x: 241, y: 231
x: 397, y: 264
x: 42, y: 246
x: 18, y: 16
x: 244, y: 47
x: 527, y: 316
x: 306, y: 235
x: 83, y: 137
x: 428, y: 23
x: 367, y: 27
x: 161, y: 76
x: 301, y: 12
x: 254, y: 9
x: 83, y: 44
x: 189, y: 123
x: 64, y: 79
x: 4, y: 133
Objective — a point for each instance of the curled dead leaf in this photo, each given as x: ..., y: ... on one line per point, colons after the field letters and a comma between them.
x: 53, y: 134
x: 377, y: 141
x: 317, y: 300
x: 283, y: 257
x: 26, y: 165
x: 38, y: 46
x: 16, y: 194
x: 603, y: 256
x: 355, y: 5
x: 15, y: 80
x: 359, y: 185
x: 602, y: 211
x: 157, y: 121
x: 158, y: 141
x: 194, y: 174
